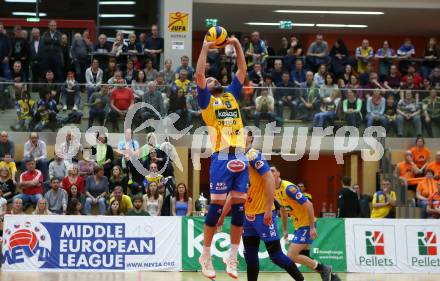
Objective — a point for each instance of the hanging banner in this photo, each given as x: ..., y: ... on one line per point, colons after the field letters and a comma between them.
x: 55, y: 243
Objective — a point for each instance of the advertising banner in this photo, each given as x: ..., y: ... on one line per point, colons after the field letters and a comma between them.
x: 328, y: 248
x: 392, y: 246
x: 37, y: 243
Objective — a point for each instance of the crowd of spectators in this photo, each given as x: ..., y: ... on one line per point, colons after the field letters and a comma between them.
x: 78, y: 178
x: 317, y: 83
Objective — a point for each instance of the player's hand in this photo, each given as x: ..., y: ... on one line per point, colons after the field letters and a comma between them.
x: 232, y: 41
x: 208, y: 44
x: 286, y: 235
x: 268, y: 217
x: 313, y: 233
x: 220, y: 222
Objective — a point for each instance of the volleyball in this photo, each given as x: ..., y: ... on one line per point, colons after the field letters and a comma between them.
x: 217, y: 34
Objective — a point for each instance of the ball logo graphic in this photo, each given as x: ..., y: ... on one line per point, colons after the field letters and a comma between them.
x: 26, y: 243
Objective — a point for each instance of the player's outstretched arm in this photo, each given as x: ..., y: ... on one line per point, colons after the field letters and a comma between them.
x: 201, y: 64
x: 241, y: 61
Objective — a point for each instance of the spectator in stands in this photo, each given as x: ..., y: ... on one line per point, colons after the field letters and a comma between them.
x: 352, y: 107
x: 406, y: 51
x: 373, y: 83
x: 5, y: 51
x: 110, y: 70
x: 17, y: 207
x: 264, y: 108
x: 94, y: 76
x: 348, y: 201
x: 154, y: 175
x: 20, y: 50
x: 433, y: 207
x: 154, y: 46
x: 435, y: 166
x: 339, y: 57
x: 155, y: 99
x: 184, y: 64
x: 256, y: 75
x: 309, y: 99
x: 122, y: 99
x: 128, y: 149
x: 431, y: 53
x: 168, y: 72
x: 434, y: 78
x: 70, y: 89
x: 87, y: 164
x: 247, y: 102
x: 10, y: 165
x: 103, y: 46
x: 56, y: 198
x: 417, y: 78
x: 376, y: 109
x: 317, y: 53
x: 420, y: 153
x: 425, y: 189
x: 50, y: 85
x: 30, y: 183
x: 328, y: 107
x: 178, y: 106
x: 294, y: 52
x: 298, y: 75
x: 114, y: 209
x: 24, y: 107
x: 150, y: 71
x: 103, y: 153
x: 139, y: 85
x: 138, y: 208
x: 431, y: 111
x: 390, y: 113
x: 74, y: 207
x: 46, y: 113
x: 193, y: 108
x: 129, y: 72
x: 181, y: 202
x: 320, y: 76
x: 52, y: 54
x: 153, y: 200
x: 66, y: 55
x: 36, y: 149
x: 345, y: 77
x: 78, y: 197
x: 96, y: 191
x: 393, y: 79
x: 327, y: 89
x: 406, y: 171
x: 70, y: 148
x: 364, y: 202
x: 3, y: 209
x: 182, y: 82
x: 58, y: 167
x: 73, y: 178
x: 80, y: 56
x: 277, y: 71
x: 117, y: 178
x: 384, y: 202
x: 386, y: 54
x: 408, y: 110
x: 132, y: 45
x: 7, y: 184
x: 125, y: 203
x: 118, y: 48
x: 256, y: 50
x: 7, y: 147
x: 284, y: 47
x: 35, y: 49
x: 98, y: 106
x: 42, y: 208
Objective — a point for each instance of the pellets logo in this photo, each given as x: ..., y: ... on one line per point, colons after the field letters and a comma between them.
x: 375, y: 243
x: 427, y: 243
x: 26, y: 242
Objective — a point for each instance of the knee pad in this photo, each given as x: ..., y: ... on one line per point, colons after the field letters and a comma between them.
x: 305, y: 253
x: 277, y: 255
x: 214, y: 213
x: 237, y: 214
x: 251, y: 246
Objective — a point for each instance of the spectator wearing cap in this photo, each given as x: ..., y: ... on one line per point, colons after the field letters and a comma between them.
x: 52, y: 55
x: 384, y: 202
x: 317, y: 53
x: 30, y: 183
x: 256, y: 50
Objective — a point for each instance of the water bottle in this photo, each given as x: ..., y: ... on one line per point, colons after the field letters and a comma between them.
x: 203, y: 203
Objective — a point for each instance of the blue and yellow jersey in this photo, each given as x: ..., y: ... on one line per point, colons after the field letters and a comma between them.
x: 256, y: 197
x: 157, y: 179
x: 290, y: 197
x: 222, y: 116
x: 181, y: 84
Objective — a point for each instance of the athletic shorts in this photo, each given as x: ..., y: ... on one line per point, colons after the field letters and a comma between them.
x: 254, y: 226
x: 302, y: 236
x: 228, y: 172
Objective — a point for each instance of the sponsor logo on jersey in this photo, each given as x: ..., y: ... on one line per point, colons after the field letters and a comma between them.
x: 225, y: 113
x: 236, y: 165
x: 259, y: 164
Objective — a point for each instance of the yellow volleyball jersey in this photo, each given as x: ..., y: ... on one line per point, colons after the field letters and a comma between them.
x: 182, y: 84
x: 289, y: 196
x: 256, y: 197
x: 222, y: 116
